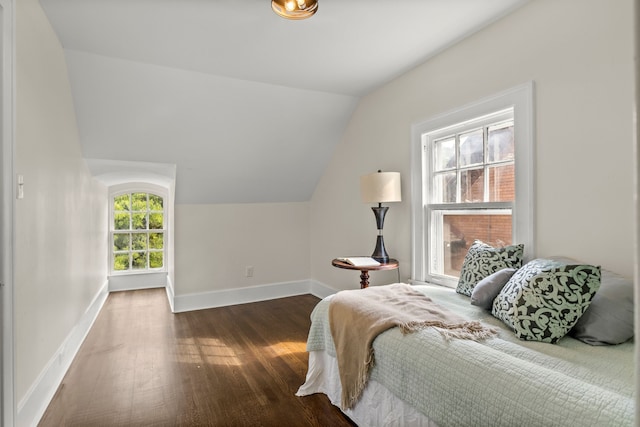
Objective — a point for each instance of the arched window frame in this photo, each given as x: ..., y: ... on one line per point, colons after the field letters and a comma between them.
x: 118, y: 190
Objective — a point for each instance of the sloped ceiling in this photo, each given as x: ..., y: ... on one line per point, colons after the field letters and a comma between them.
x: 247, y: 105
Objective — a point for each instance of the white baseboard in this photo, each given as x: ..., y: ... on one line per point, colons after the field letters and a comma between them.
x: 35, y: 402
x: 245, y: 295
x: 320, y: 290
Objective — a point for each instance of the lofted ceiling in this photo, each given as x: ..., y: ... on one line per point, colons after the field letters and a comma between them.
x: 246, y: 105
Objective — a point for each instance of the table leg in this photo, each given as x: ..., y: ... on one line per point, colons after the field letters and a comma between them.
x: 364, y: 279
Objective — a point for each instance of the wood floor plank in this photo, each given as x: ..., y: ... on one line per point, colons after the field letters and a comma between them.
x: 141, y: 365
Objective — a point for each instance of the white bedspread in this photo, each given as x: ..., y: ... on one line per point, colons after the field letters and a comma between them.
x: 377, y: 405
x: 499, y: 382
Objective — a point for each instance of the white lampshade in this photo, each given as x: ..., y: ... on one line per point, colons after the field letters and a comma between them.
x: 380, y: 187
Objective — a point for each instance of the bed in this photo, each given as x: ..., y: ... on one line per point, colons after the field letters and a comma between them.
x: 421, y: 379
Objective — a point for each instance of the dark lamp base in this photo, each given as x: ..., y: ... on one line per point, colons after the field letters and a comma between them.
x: 380, y: 253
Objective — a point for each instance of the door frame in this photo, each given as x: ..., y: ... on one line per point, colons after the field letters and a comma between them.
x: 636, y: 169
x: 7, y: 206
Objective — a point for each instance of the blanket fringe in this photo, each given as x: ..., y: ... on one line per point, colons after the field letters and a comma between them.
x: 472, y: 330
x: 352, y: 396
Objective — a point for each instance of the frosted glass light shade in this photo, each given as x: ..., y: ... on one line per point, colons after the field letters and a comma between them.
x: 294, y: 9
x: 380, y: 187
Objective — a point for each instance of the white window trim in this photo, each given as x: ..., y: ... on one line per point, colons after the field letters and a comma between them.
x: 144, y: 187
x: 521, y: 99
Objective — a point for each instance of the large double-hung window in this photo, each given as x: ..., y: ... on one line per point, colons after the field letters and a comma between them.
x: 472, y: 178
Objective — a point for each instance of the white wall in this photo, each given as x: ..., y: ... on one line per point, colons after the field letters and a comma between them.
x: 579, y: 53
x: 61, y: 224
x: 214, y: 244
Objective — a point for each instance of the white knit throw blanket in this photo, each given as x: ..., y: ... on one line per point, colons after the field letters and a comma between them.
x: 356, y: 317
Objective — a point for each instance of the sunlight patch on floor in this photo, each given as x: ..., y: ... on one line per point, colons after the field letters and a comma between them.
x: 211, y: 351
x: 287, y: 347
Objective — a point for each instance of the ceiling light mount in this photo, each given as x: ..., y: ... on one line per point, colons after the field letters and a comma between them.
x: 294, y: 9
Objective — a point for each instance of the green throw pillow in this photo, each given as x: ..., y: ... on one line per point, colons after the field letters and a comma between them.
x: 544, y: 299
x: 483, y: 260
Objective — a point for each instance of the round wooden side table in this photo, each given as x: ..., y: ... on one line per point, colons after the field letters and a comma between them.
x: 392, y: 264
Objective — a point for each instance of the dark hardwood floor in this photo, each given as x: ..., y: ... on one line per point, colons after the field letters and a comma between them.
x: 241, y: 365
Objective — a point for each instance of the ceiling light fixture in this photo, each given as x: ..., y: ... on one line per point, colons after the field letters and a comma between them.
x: 294, y: 9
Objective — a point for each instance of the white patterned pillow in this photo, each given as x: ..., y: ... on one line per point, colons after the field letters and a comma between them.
x: 544, y: 299
x: 483, y: 260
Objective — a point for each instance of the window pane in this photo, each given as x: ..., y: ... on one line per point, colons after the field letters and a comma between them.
x: 444, y: 188
x: 500, y: 144
x: 121, y: 221
x: 121, y: 242
x: 156, y: 241
x: 471, y: 148
x: 155, y: 260
x: 121, y: 262
x: 139, y: 241
x: 472, y: 185
x: 445, y: 154
x: 121, y: 203
x: 460, y: 231
x: 155, y: 202
x: 139, y: 260
x: 139, y: 221
x: 502, y: 184
x: 155, y: 221
x: 139, y: 201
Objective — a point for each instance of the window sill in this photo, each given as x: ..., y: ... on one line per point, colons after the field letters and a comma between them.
x: 138, y: 280
x: 135, y: 273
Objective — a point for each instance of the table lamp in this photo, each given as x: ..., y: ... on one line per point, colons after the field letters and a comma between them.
x: 380, y: 187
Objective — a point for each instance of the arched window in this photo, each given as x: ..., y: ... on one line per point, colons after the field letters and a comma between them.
x: 137, y: 232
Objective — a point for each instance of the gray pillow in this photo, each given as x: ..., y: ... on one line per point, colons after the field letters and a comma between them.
x: 544, y: 299
x: 482, y: 260
x: 488, y: 288
x: 609, y: 318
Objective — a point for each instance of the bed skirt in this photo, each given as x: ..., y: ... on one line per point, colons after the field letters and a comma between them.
x: 377, y: 405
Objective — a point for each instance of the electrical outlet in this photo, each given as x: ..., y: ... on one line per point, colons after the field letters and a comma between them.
x: 248, y: 271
